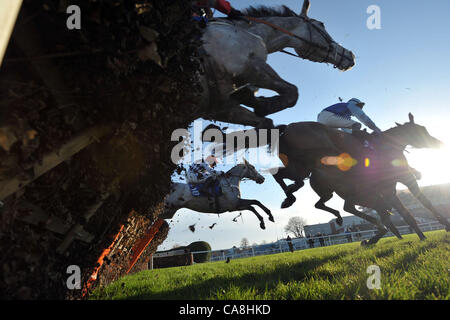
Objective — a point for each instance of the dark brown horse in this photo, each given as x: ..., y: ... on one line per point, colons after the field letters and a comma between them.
x: 337, y: 162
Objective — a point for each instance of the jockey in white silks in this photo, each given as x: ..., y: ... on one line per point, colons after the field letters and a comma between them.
x: 339, y: 116
x: 203, y: 172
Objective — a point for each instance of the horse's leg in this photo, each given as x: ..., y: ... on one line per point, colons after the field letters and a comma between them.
x: 169, y: 210
x: 279, y: 176
x: 386, y: 220
x: 382, y: 230
x: 248, y: 202
x: 173, y: 201
x: 239, y: 115
x: 325, y: 194
x: 412, y: 185
x: 292, y: 173
x: 261, y: 220
x: 261, y: 75
x: 407, y: 216
x: 350, y: 207
x: 321, y: 205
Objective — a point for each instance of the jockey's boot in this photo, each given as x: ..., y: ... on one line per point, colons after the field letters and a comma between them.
x: 361, y: 136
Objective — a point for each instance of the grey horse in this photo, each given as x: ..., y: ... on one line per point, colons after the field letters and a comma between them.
x: 235, y: 54
x: 230, y: 200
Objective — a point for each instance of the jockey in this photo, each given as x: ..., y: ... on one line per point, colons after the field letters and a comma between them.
x: 203, y: 172
x: 221, y: 5
x: 339, y: 116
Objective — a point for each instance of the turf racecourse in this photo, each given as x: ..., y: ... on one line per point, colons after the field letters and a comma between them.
x: 410, y: 269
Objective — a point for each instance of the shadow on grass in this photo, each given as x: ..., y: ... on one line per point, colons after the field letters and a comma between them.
x: 260, y: 282
x: 265, y: 280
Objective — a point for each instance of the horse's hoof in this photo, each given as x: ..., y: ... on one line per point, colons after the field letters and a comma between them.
x: 364, y: 243
x: 271, y: 219
x: 340, y: 221
x: 288, y: 202
x: 262, y: 226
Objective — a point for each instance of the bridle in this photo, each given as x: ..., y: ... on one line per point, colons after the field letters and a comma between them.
x: 309, y: 41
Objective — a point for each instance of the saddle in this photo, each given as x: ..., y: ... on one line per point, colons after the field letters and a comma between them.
x: 364, y: 137
x: 206, y: 190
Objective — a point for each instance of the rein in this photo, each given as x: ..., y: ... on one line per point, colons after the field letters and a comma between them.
x: 393, y: 142
x: 274, y: 26
x: 310, y: 42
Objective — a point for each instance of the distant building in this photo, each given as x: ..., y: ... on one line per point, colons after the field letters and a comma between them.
x: 439, y: 196
x: 332, y: 227
x: 324, y: 228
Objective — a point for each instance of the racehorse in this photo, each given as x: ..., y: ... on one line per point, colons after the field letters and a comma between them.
x: 369, y: 177
x: 230, y: 200
x: 337, y: 162
x: 235, y: 54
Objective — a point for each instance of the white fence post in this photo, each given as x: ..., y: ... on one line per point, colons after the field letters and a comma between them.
x: 151, y: 262
x: 331, y: 239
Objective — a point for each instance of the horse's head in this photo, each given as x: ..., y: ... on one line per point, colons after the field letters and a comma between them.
x: 317, y: 45
x: 415, y: 135
x: 250, y: 172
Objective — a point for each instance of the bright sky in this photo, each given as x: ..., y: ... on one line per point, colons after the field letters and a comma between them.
x: 402, y: 67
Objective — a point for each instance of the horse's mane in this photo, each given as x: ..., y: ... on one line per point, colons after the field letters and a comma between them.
x: 264, y: 11
x: 233, y: 168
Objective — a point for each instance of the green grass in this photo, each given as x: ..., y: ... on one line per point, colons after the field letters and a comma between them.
x: 410, y: 269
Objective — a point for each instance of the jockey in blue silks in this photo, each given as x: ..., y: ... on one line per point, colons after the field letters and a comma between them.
x: 203, y: 173
x: 339, y: 116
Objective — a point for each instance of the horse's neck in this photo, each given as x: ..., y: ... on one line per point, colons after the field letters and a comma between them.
x: 233, y: 175
x: 229, y: 183
x: 234, y: 180
x: 395, y: 137
x: 274, y: 40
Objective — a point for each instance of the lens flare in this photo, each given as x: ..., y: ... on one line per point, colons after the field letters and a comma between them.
x: 344, y: 161
x: 399, y: 163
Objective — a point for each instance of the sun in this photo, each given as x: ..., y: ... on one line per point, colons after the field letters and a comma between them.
x: 434, y: 164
